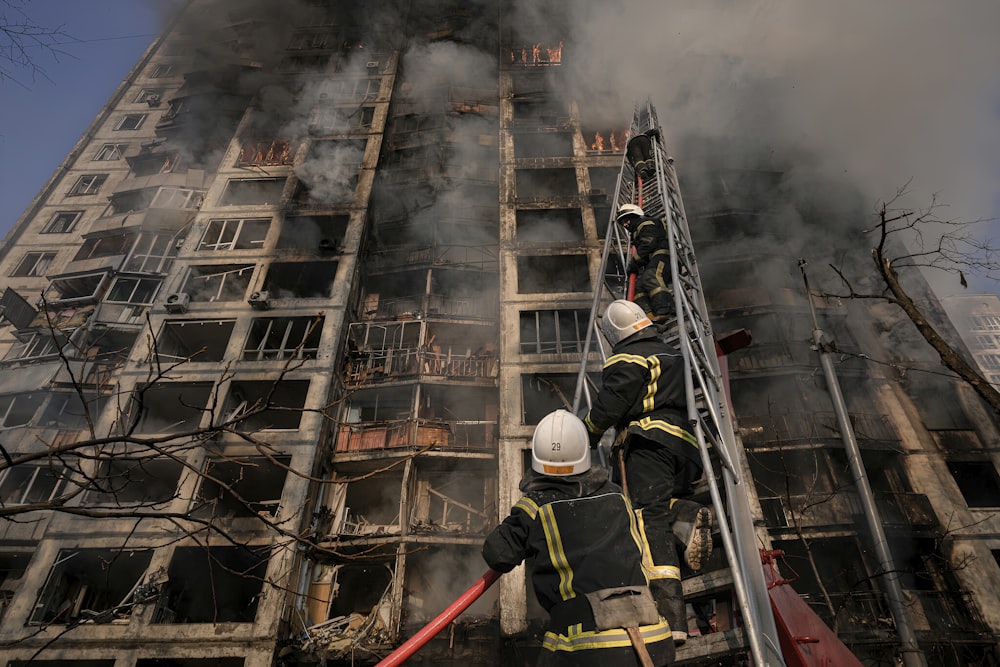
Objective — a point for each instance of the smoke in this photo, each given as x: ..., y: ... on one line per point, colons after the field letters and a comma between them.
x: 878, y: 93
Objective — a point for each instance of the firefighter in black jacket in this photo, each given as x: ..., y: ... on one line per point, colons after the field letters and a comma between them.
x: 588, y: 570
x: 642, y: 394
x: 650, y: 260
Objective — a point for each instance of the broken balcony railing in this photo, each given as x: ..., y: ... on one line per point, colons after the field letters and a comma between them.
x: 373, y: 366
x: 462, y: 435
x: 412, y: 307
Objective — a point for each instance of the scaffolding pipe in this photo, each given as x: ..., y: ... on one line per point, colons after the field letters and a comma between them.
x: 426, y: 633
x: 912, y: 655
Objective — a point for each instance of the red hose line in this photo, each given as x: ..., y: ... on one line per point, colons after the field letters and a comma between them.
x: 426, y: 633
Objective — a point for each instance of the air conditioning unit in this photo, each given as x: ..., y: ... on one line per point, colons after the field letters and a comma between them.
x: 372, y: 65
x: 328, y: 245
x: 177, y: 302
x: 260, y: 300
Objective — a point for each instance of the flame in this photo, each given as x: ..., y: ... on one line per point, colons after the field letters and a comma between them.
x: 555, y: 53
x: 538, y: 54
x: 598, y: 144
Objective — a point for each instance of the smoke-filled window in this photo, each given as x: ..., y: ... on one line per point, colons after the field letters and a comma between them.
x: 319, y: 233
x: 300, y: 280
x: 168, y: 407
x: 264, y: 404
x: 541, y: 183
x: 222, y: 282
x: 241, y: 486
x: 543, y: 144
x: 152, y: 252
x: 549, y: 225
x: 193, y: 340
x: 552, y: 273
x: 978, y: 481
x: 280, y: 338
x: 253, y: 192
x: 212, y: 585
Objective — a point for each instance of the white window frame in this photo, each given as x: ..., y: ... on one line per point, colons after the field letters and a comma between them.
x: 36, y: 345
x: 139, y: 282
x: 39, y: 264
x: 126, y: 122
x: 183, y: 198
x: 152, y: 253
x: 88, y: 184
x: 162, y: 70
x: 50, y: 226
x: 218, y: 227
x: 145, y: 93
x: 110, y: 152
x: 5, y: 410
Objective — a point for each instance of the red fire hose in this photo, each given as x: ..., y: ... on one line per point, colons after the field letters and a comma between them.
x: 426, y: 633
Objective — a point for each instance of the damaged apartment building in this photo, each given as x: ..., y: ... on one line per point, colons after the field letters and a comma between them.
x: 275, y: 338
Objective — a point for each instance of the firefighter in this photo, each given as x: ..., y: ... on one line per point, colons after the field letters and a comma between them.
x: 642, y: 395
x: 588, y: 571
x: 650, y: 260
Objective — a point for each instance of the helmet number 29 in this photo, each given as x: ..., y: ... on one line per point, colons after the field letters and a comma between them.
x: 556, y: 446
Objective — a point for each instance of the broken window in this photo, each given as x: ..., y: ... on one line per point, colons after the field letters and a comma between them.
x: 543, y: 144
x: 152, y: 252
x: 148, y: 163
x: 235, y: 234
x: 329, y: 119
x: 110, y: 152
x: 552, y: 273
x: 130, y: 121
x: 274, y: 405
x: 150, y: 96
x: 796, y: 472
x: 241, y: 487
x: 319, y: 233
x: 91, y: 585
x: 448, y: 499
x: 62, y: 222
x: 553, y: 331
x: 69, y: 409
x: 540, y: 183
x: 33, y: 264
x: 88, y: 184
x: 279, y: 338
x: 127, y: 202
x: 548, y: 225
x: 220, y: 282
x: 106, y: 245
x: 329, y: 172
x: 169, y: 407
x: 253, y: 192
x: 265, y: 153
x: 344, y: 91
x: 357, y: 589
x: 36, y: 344
x: 441, y: 574
x: 300, y: 280
x: 978, y: 481
x: 194, y: 340
x: 80, y: 288
x: 368, y: 506
x: 212, y: 585
x: 35, y: 482
x: 127, y: 481
x: 542, y: 393
x: 19, y: 409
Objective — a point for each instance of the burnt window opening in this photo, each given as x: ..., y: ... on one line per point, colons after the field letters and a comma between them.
x: 88, y: 184
x: 328, y: 119
x: 937, y: 414
x: 149, y: 163
x: 27, y: 483
x: 108, y: 662
x: 307, y: 40
x: 368, y: 506
x: 153, y: 252
x: 33, y: 264
x: 194, y: 340
x: 549, y: 225
x: 126, y: 481
x: 280, y: 338
x: 13, y: 565
x: 552, y: 273
x: 978, y: 481
x: 320, y: 233
x: 187, y: 662
x: 456, y: 293
x: 253, y: 192
x: 442, y: 573
x: 170, y: 407
x: 272, y: 152
x: 542, y: 393
x: 36, y: 344
x: 539, y: 112
x: 329, y: 172
x: 792, y: 472
x: 19, y: 409
x: 219, y: 282
x: 553, y: 331
x: 543, y: 183
x: 91, y: 584
x: 300, y: 280
x: 68, y: 409
x: 241, y: 487
x: 212, y: 585
x: 303, y: 63
x: 110, y: 245
x: 604, y: 180
x: 543, y: 144
x: 62, y: 222
x: 451, y: 500
x: 275, y: 405
x: 354, y: 590
x: 235, y: 234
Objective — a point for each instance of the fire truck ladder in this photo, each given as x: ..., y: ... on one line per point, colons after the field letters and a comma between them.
x: 648, y: 179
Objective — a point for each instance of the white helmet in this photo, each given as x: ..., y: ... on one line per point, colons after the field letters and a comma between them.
x: 560, y: 446
x: 623, y: 319
x: 629, y: 209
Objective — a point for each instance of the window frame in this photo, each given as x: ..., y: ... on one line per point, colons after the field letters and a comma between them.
x: 136, y: 120
x: 50, y: 226
x: 110, y: 152
x: 39, y: 265
x: 88, y: 184
x: 241, y: 224
x: 31, y: 480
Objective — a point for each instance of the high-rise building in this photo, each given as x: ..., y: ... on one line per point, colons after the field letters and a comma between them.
x: 977, y: 318
x: 276, y: 333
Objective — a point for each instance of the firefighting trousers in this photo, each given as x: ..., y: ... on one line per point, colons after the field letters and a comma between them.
x: 653, y: 290
x: 656, y: 476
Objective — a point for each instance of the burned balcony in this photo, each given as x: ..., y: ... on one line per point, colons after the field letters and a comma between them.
x: 452, y: 294
x: 543, y: 145
x: 212, y: 585
x: 547, y: 274
x: 547, y: 186
x: 253, y: 405
x: 452, y: 499
x: 300, y: 280
x: 241, y: 487
x: 550, y: 226
x: 338, y: 196
x: 553, y: 332
x: 872, y: 430
x: 150, y: 161
x: 459, y: 418
x: 313, y: 234
x: 405, y: 350
x: 541, y: 393
x: 537, y: 54
x: 349, y: 604
x: 218, y: 282
x: 198, y: 341
x: 364, y: 502
x: 329, y: 118
x: 282, y: 338
x: 265, y: 153
x: 171, y: 198
x: 92, y: 585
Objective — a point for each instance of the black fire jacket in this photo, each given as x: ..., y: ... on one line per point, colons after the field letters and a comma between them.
x: 649, y: 238
x: 642, y: 390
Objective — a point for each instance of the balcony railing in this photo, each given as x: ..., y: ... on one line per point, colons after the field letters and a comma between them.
x: 395, y: 364
x: 484, y: 307
x: 451, y: 435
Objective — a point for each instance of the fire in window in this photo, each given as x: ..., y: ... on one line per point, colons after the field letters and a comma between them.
x: 265, y: 153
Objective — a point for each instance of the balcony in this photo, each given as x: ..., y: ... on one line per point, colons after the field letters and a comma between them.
x: 450, y: 435
x: 372, y: 367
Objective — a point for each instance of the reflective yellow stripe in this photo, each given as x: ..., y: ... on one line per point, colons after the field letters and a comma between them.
x: 650, y: 569
x: 647, y: 423
x: 528, y: 506
x: 638, y: 532
x: 581, y: 641
x: 589, y: 424
x: 649, y: 400
x: 625, y: 358
x: 556, y: 553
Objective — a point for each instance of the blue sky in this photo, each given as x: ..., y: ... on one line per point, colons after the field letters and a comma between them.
x: 40, y: 119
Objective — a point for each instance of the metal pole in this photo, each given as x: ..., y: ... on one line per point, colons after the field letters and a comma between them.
x: 912, y: 655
